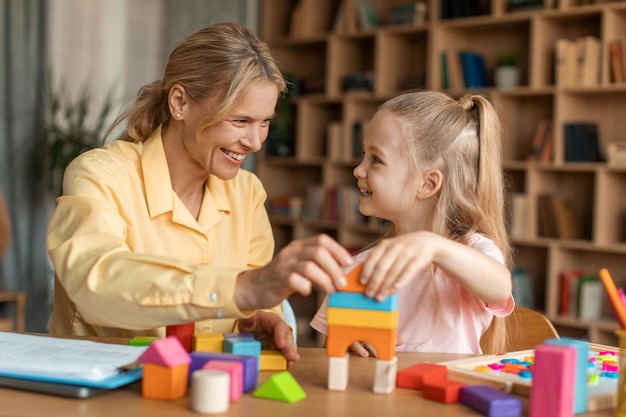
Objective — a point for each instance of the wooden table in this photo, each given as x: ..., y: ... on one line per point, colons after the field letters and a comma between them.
x: 311, y: 372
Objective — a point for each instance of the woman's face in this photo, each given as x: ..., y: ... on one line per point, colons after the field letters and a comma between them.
x: 220, y: 149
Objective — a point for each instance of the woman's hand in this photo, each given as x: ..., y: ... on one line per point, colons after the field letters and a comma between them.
x: 318, y: 260
x: 273, y: 333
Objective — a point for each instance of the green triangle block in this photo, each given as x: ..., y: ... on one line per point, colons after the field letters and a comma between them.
x: 281, y: 387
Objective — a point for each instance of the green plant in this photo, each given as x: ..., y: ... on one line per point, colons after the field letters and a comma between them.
x: 507, y: 59
x: 72, y: 125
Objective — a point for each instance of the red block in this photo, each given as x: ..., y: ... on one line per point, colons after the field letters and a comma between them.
x: 183, y: 332
x: 444, y: 391
x: 416, y: 376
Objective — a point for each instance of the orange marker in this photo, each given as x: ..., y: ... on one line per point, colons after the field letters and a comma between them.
x: 616, y: 302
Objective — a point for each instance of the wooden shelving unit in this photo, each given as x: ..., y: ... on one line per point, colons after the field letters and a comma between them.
x: 395, y: 54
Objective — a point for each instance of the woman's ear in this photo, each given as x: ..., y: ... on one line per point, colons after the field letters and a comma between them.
x: 431, y: 184
x: 177, y: 100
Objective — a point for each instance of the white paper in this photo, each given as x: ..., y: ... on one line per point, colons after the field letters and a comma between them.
x: 62, y: 357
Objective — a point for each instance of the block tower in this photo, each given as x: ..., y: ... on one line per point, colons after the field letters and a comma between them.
x: 353, y: 317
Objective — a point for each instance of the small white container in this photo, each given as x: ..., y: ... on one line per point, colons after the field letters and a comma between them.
x: 506, y: 77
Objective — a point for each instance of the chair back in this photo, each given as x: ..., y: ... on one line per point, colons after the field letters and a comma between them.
x: 525, y: 329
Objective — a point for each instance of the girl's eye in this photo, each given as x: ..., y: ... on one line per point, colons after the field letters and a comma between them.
x: 375, y: 159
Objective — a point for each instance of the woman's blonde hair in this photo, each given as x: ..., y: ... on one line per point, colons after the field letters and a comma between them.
x: 219, y: 61
x: 463, y: 139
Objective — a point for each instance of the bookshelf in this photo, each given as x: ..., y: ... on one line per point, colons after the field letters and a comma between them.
x: 324, y: 50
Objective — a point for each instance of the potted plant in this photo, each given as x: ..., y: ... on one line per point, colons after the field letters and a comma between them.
x: 507, y: 72
x: 72, y: 125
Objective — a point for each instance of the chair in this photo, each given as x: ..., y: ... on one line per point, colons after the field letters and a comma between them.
x: 525, y: 329
x: 290, y: 318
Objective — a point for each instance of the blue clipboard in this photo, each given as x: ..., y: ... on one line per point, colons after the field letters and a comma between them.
x: 114, y: 381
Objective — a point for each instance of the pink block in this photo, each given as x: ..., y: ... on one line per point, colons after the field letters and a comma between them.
x: 554, y: 375
x: 167, y: 352
x: 235, y: 369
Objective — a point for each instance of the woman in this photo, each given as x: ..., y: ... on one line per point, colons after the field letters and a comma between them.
x: 161, y: 227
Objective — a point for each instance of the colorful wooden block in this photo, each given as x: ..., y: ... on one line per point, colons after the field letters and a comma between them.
x: 142, y: 340
x: 370, y: 319
x: 210, y: 391
x: 444, y: 390
x: 414, y: 377
x: 361, y: 302
x: 235, y: 335
x: 235, y: 370
x: 250, y: 374
x: 352, y: 280
x: 338, y: 372
x: 272, y: 360
x: 554, y: 374
x: 582, y: 358
x: 166, y: 352
x: 385, y: 376
x: 244, y: 346
x: 184, y: 333
x: 280, y: 387
x: 340, y: 338
x: 490, y: 401
x: 164, y: 382
x: 208, y: 342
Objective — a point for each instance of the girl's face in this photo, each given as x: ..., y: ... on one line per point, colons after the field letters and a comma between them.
x: 221, y: 148
x: 385, y: 176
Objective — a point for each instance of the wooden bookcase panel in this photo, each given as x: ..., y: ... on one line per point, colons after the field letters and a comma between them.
x: 394, y: 54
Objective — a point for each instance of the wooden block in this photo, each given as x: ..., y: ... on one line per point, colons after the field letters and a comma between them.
x: 244, y: 346
x: 184, y: 333
x: 385, y: 376
x: 250, y: 373
x: 167, y: 352
x: 352, y: 280
x: 369, y: 319
x: 490, y: 401
x: 338, y: 372
x: 554, y: 374
x: 210, y: 391
x: 582, y: 358
x: 416, y: 376
x: 340, y: 338
x: 142, y: 340
x: 272, y: 360
x: 164, y: 382
x: 281, y: 387
x: 234, y: 370
x: 361, y: 302
x: 208, y: 342
x: 444, y: 390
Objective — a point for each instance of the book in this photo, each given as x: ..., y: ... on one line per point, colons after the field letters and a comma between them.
x: 519, y: 215
x: 522, y: 288
x: 541, y: 146
x: 565, y: 63
x: 445, y: 71
x: 566, y: 224
x: 547, y: 221
x: 367, y: 15
x: 455, y: 72
x: 589, y: 298
x: 474, y: 70
x: 616, y: 61
x: 581, y: 142
x: 589, y: 59
x: 568, y: 280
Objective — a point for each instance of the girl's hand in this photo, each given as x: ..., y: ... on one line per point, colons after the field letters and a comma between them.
x: 273, y: 333
x: 365, y: 349
x: 318, y: 260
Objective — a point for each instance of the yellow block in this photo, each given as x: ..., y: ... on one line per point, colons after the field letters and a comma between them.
x: 208, y: 342
x: 369, y: 319
x: 273, y: 360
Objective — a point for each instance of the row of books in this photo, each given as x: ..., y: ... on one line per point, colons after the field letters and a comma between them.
x: 463, y: 70
x: 578, y: 62
x: 332, y: 203
x: 617, y: 60
x: 353, y: 15
x: 582, y: 295
x: 557, y: 218
x: 581, y: 142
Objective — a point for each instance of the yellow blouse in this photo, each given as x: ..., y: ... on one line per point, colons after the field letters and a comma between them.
x: 130, y: 258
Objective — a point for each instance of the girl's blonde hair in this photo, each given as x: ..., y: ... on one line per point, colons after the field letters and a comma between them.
x: 463, y: 139
x: 219, y: 61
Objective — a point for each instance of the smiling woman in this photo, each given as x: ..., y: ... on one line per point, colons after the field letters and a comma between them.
x: 162, y: 228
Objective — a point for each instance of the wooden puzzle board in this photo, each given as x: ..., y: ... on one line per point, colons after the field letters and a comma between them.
x: 601, y: 396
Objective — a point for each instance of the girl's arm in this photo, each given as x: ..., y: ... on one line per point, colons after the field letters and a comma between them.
x: 394, y: 262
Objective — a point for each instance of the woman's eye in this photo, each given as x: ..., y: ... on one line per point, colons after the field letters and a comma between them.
x: 238, y: 122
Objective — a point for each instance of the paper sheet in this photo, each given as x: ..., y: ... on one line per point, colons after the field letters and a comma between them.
x: 61, y: 357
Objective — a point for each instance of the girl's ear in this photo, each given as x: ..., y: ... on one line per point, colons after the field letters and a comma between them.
x: 431, y: 184
x: 176, y: 100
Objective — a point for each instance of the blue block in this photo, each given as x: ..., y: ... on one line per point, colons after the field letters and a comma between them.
x: 490, y: 401
x: 250, y: 365
x: 243, y: 346
x: 360, y: 301
x: 582, y: 358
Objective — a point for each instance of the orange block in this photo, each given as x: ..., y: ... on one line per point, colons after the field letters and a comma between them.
x: 352, y: 279
x: 420, y: 374
x: 340, y: 338
x: 164, y: 383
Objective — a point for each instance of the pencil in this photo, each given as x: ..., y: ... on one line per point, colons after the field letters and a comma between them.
x: 614, y: 298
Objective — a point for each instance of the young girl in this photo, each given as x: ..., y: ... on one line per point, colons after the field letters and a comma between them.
x: 432, y: 167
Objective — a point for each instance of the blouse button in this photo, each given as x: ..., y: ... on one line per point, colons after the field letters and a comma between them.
x: 213, y: 297
x: 220, y: 313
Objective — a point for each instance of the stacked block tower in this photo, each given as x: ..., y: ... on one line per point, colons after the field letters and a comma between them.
x: 353, y: 317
